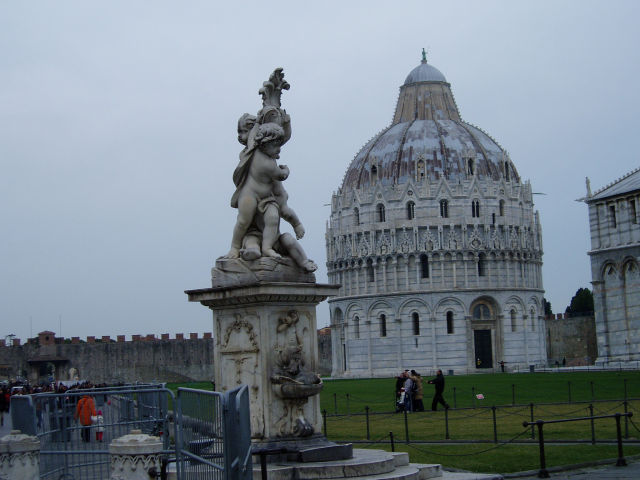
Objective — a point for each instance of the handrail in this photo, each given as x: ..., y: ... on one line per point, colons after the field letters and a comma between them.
x: 543, y: 472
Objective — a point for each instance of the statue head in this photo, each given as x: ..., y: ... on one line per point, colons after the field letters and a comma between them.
x: 245, y: 124
x: 268, y: 139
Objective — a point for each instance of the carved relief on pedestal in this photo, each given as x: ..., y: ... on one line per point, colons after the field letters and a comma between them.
x: 290, y: 378
x: 128, y: 467
x: 240, y: 361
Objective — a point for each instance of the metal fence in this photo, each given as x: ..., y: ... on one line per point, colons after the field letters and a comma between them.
x: 208, y: 437
x: 214, y: 435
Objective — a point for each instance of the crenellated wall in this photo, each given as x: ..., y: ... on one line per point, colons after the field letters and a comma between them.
x: 144, y: 358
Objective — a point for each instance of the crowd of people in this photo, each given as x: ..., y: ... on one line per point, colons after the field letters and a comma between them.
x: 85, y: 411
x: 410, y: 392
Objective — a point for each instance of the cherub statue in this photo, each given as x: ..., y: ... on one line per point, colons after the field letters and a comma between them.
x: 260, y: 197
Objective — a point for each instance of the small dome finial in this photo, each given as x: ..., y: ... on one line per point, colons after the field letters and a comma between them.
x: 424, y: 56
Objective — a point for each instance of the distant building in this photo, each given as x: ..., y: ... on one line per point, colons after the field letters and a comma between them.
x: 615, y: 253
x: 435, y: 241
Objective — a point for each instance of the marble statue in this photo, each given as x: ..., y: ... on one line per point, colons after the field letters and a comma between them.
x: 260, y: 196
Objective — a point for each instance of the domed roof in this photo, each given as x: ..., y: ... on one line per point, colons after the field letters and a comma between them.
x: 427, y: 135
x: 425, y: 73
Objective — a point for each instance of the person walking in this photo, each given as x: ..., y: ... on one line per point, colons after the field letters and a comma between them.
x: 408, y: 392
x: 418, y: 406
x: 85, y: 409
x: 438, y: 382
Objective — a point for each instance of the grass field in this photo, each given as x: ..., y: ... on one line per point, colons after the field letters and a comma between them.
x: 605, y: 390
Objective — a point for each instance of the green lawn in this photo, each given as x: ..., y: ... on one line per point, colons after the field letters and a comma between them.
x: 498, y: 389
x: 605, y: 390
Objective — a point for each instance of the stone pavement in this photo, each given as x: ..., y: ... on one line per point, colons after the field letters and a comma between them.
x: 603, y: 472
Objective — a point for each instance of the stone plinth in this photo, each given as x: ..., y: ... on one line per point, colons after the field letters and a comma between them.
x: 265, y: 337
x: 19, y: 456
x: 135, y: 456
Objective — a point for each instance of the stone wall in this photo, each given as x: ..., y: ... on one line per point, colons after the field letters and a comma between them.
x: 572, y: 339
x: 104, y: 360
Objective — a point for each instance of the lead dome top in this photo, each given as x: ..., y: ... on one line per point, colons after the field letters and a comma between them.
x: 425, y: 73
x: 428, y: 139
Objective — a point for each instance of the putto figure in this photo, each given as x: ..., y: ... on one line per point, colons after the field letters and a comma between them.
x: 260, y: 197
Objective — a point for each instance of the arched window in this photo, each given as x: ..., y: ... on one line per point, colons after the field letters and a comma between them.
x: 415, y: 320
x: 424, y: 266
x: 475, y: 209
x: 449, y: 322
x: 337, y: 317
x: 502, y: 208
x: 374, y: 174
x: 481, y: 312
x: 383, y: 325
x: 612, y: 216
x: 444, y: 209
x: 371, y: 277
x: 411, y: 210
x: 507, y: 176
x: 356, y: 216
x: 470, y: 166
x: 633, y: 215
x: 381, y: 214
x: 356, y: 326
x: 420, y: 170
x: 533, y: 320
x: 482, y: 265
x: 513, y: 320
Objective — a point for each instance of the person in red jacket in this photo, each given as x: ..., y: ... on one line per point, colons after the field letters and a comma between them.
x: 85, y: 409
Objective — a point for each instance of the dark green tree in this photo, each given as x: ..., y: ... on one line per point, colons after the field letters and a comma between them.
x: 582, y: 302
x: 547, y: 307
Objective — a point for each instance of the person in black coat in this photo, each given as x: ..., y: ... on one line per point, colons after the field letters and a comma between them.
x: 438, y: 382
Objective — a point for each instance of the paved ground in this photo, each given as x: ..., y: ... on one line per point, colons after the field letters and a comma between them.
x: 607, y: 472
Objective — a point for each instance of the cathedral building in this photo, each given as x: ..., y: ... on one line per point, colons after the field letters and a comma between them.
x: 434, y: 240
x: 615, y: 252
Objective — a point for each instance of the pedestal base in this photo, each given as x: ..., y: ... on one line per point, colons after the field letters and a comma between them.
x: 313, y: 449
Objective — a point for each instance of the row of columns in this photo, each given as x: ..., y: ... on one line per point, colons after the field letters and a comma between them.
x: 133, y: 457
x: 355, y: 279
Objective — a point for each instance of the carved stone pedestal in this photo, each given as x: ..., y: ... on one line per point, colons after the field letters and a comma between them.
x: 265, y: 334
x: 135, y: 456
x: 19, y: 457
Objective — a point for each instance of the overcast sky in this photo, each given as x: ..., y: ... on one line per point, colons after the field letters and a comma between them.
x: 118, y: 141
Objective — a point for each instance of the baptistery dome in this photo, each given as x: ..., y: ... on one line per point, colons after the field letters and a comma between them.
x: 435, y: 243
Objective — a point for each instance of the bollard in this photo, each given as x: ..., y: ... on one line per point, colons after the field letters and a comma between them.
x: 393, y: 447
x: 348, y: 409
x: 19, y: 456
x: 135, y: 456
x: 406, y: 427
x: 473, y: 396
x: 626, y: 420
x: 543, y: 473
x: 495, y: 427
x: 366, y: 413
x: 324, y: 420
x: 446, y: 424
x: 533, y: 432
x: 593, y: 427
x: 621, y: 461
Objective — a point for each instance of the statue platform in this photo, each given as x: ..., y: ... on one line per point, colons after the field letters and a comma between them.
x: 265, y: 332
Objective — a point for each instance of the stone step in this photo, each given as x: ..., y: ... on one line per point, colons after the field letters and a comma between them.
x: 404, y: 472
x: 428, y: 470
x: 470, y: 476
x: 400, y: 458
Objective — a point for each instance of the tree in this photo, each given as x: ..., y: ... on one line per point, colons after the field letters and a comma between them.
x: 582, y: 302
x: 547, y: 307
